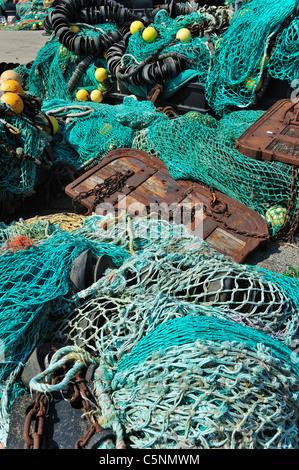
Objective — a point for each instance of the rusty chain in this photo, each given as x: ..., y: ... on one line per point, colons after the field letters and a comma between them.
x: 82, y: 393
x: 169, y: 111
x: 36, y: 416
x: 217, y: 206
x: 110, y: 185
x: 154, y: 93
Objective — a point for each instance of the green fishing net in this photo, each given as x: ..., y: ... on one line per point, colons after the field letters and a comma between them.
x: 30, y: 280
x: 194, y: 51
x: 198, y: 382
x: 193, y: 382
x: 198, y: 147
x: 283, y: 63
x: 169, y: 263
x: 162, y: 273
x: 54, y: 66
x: 30, y: 15
x: 21, y: 148
x: 91, y: 129
x: 240, y: 54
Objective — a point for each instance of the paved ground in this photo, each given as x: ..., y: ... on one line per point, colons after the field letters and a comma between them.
x: 22, y: 46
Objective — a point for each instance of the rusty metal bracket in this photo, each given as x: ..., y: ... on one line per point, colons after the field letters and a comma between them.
x: 274, y: 136
x: 227, y: 225
x: 154, y: 93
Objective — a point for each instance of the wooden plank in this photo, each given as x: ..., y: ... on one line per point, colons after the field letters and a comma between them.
x: 228, y: 226
x: 225, y: 242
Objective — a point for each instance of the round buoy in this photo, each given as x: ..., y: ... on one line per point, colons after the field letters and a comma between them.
x: 101, y: 74
x: 135, y: 26
x: 276, y: 216
x: 252, y: 82
x: 13, y: 86
x: 183, y: 34
x: 149, y: 34
x: 11, y: 75
x: 82, y: 95
x: 263, y: 62
x: 14, y: 101
x: 96, y: 96
x: 55, y: 126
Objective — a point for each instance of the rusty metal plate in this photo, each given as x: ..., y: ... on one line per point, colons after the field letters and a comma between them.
x: 144, y: 184
x: 274, y: 136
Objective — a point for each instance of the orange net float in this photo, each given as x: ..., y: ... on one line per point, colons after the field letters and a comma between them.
x: 19, y: 242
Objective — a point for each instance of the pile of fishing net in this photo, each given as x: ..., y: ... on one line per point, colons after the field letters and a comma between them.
x: 23, y: 148
x: 233, y: 55
x: 168, y: 295
x: 192, y: 146
x: 260, y: 44
x: 199, y: 147
x: 55, y: 65
x: 29, y: 15
x: 189, y: 59
x: 57, y: 61
x: 91, y: 129
x: 193, y: 383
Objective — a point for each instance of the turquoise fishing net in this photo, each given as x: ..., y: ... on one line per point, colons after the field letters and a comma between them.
x: 54, y: 65
x: 30, y: 280
x: 91, y: 129
x: 29, y: 14
x: 162, y: 274
x: 21, y: 147
x: 240, y: 54
x: 195, y: 51
x: 198, y: 382
x: 167, y: 262
x: 193, y: 382
x: 283, y: 63
x: 200, y: 148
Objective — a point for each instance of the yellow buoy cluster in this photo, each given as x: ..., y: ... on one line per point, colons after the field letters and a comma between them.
x: 11, y: 91
x: 38, y: 24
x: 95, y: 95
x: 12, y: 94
x: 150, y: 33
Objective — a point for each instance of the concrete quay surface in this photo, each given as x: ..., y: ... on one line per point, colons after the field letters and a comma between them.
x: 21, y: 47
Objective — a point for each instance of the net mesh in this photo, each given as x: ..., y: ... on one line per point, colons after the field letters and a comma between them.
x: 203, y: 383
x: 190, y: 273
x: 241, y: 54
x: 91, y: 129
x: 31, y: 278
x: 194, y: 51
x: 193, y: 146
x: 212, y: 159
x: 22, y: 146
x: 192, y: 350
x: 283, y: 63
x: 30, y: 15
x: 55, y: 64
x: 194, y: 382
x: 162, y: 273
